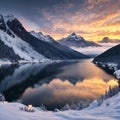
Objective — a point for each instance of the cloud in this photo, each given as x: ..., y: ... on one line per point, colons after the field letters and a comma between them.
x: 109, y: 33
x: 115, y: 21
x: 87, y: 20
x: 95, y: 50
x: 91, y: 19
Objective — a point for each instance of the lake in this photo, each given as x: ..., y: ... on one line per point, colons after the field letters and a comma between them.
x: 54, y: 85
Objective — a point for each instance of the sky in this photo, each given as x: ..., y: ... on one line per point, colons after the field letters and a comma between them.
x: 91, y: 19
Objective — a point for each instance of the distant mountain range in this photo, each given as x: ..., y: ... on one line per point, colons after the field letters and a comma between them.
x: 108, y: 40
x: 18, y: 44
x: 74, y: 40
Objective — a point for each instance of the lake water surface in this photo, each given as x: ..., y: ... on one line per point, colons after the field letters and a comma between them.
x: 54, y: 84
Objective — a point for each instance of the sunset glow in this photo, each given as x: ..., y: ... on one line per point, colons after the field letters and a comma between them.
x: 89, y: 88
x: 92, y: 19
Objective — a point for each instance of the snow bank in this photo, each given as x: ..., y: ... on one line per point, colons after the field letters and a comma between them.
x: 112, y: 67
x: 109, y: 110
x: 4, y: 62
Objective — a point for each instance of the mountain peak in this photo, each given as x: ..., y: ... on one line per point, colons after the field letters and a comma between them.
x: 49, y: 37
x: 6, y: 18
x: 33, y: 32
x: 11, y: 25
x: 75, y: 37
x: 3, y: 23
x: 76, y: 41
x: 17, y: 43
x: 73, y: 34
x: 41, y: 36
x: 106, y: 38
x: 109, y: 40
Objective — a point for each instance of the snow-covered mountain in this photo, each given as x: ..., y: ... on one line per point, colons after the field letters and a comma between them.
x: 18, y: 44
x: 19, y: 48
x: 7, y: 53
x: 108, y: 40
x: 77, y: 41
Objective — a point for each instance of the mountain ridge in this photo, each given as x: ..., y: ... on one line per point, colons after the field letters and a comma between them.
x: 40, y: 36
x: 74, y: 40
x: 11, y: 30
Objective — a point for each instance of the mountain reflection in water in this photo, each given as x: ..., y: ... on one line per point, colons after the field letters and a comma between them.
x: 55, y: 84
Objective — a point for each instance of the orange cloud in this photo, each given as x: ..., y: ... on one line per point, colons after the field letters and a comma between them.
x: 113, y: 23
x: 93, y: 20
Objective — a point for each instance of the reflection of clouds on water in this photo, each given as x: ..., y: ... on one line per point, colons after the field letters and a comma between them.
x: 58, y: 91
x: 55, y: 84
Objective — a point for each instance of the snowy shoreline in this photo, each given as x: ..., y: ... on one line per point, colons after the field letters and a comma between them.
x: 112, y: 68
x: 2, y: 62
x: 108, y: 110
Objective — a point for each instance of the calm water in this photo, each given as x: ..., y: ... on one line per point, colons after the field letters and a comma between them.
x: 55, y: 84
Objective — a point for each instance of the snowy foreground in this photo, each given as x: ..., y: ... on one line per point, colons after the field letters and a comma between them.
x: 108, y: 110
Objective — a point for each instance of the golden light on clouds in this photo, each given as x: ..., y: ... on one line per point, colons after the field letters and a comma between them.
x: 94, y: 32
x: 92, y: 88
x: 91, y: 19
x: 65, y: 91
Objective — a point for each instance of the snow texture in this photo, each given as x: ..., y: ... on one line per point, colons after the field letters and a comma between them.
x: 9, y: 17
x: 42, y: 37
x: 117, y: 74
x: 75, y: 37
x: 21, y: 48
x: 108, y: 110
x: 74, y: 40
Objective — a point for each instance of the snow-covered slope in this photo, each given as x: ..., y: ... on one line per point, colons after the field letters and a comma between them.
x: 32, y: 46
x: 108, y: 110
x: 74, y: 40
x: 21, y: 48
